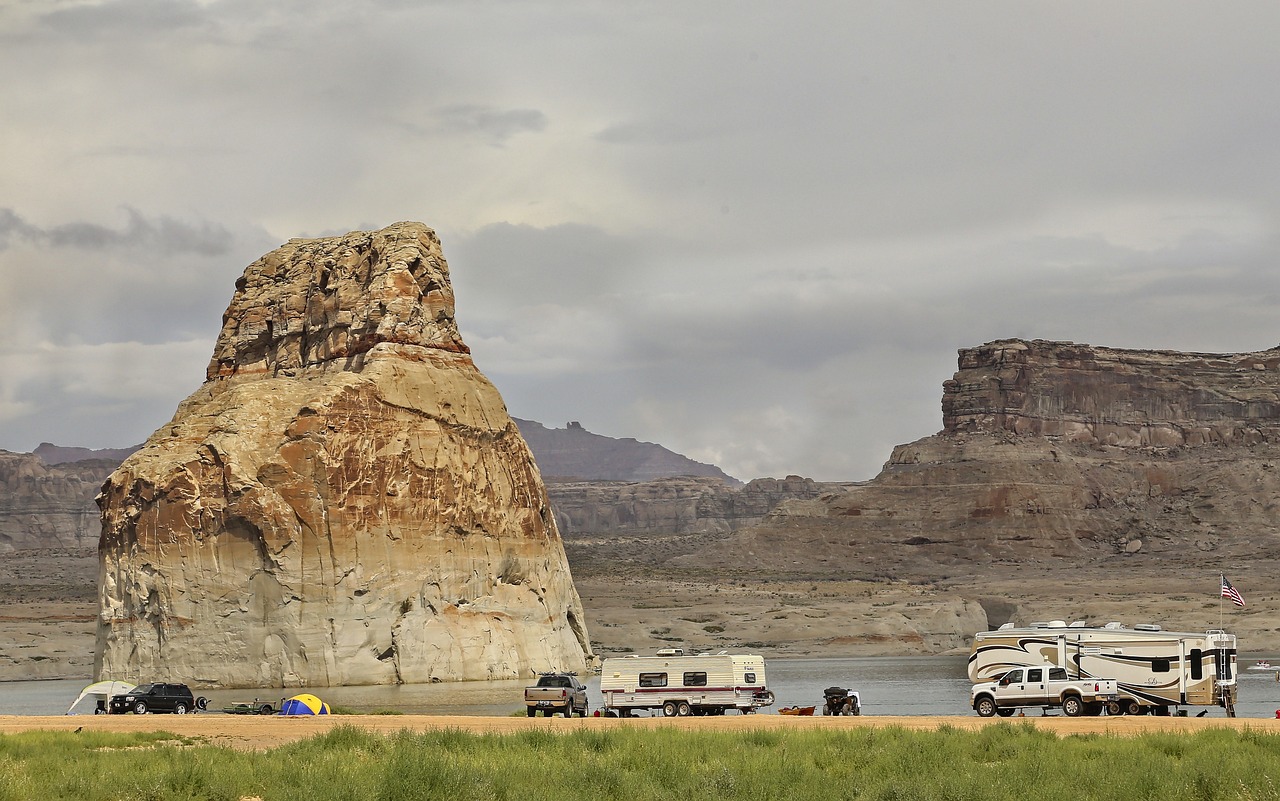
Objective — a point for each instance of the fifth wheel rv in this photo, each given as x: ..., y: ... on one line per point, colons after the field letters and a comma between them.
x: 675, y: 684
x: 1155, y: 669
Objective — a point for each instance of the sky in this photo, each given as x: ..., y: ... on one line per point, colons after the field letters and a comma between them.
x: 756, y: 233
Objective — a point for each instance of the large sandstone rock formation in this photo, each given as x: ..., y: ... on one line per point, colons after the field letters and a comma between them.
x: 344, y: 501
x: 1065, y: 467
x: 1054, y: 451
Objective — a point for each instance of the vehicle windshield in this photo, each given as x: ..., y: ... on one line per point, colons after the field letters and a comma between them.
x: 142, y: 689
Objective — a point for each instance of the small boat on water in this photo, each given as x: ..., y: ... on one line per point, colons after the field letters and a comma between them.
x: 796, y: 710
x: 1262, y: 664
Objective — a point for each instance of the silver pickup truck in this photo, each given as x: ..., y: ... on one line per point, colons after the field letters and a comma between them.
x: 1045, y: 686
x: 556, y: 692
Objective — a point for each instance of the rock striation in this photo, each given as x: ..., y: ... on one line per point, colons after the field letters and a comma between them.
x: 684, y: 505
x: 344, y: 501
x: 49, y: 506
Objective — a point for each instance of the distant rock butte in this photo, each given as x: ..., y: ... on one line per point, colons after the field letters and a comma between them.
x: 573, y: 453
x: 1067, y: 454
x: 344, y: 501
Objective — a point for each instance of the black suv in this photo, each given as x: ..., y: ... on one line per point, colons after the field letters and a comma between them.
x: 144, y: 698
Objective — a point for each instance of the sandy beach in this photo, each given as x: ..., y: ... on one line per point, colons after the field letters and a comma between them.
x: 261, y: 733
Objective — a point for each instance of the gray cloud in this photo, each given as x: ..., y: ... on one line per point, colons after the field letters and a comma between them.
x: 754, y: 233
x: 163, y: 235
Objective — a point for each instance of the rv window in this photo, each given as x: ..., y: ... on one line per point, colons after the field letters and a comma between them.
x: 1197, y: 666
x: 695, y: 679
x: 653, y: 679
x: 749, y: 678
x: 1159, y: 665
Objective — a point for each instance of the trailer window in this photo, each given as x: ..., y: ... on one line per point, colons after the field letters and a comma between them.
x: 1159, y: 665
x: 695, y: 679
x: 1197, y: 665
x: 653, y: 679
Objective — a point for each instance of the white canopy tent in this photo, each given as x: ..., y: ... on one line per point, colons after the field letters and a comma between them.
x: 103, y: 690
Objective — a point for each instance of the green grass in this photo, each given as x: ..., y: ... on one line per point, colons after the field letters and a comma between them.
x: 1001, y: 761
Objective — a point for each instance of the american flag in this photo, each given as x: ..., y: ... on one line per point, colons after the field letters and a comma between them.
x: 1231, y: 592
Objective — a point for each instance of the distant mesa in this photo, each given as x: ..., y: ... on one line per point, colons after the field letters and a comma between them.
x: 57, y: 454
x: 573, y: 453
x: 344, y: 501
x: 1058, y: 453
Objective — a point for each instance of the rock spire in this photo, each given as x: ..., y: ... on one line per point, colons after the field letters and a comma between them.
x: 345, y: 500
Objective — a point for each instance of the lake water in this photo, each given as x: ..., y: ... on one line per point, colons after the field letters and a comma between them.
x: 926, y: 685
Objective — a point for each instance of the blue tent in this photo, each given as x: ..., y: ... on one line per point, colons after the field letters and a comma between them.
x: 304, y: 704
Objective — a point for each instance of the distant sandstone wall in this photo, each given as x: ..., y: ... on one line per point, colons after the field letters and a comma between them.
x: 673, y: 505
x: 49, y: 506
x: 344, y: 501
x: 573, y: 452
x: 1055, y: 453
x: 1105, y: 396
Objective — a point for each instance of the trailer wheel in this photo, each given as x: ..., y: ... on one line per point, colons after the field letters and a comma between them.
x: 669, y: 709
x: 1072, y: 706
x: 683, y: 709
x: 1114, y: 708
x: 1134, y: 708
x: 986, y: 706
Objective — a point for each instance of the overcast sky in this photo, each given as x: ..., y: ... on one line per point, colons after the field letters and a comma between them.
x: 753, y: 232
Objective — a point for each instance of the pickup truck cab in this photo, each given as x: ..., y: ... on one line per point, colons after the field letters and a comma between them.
x: 556, y: 692
x: 1045, y: 686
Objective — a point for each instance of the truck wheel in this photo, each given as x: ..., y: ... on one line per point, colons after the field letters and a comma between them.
x: 669, y: 709
x: 1006, y: 711
x: 986, y: 707
x: 1072, y: 706
x: 854, y: 708
x: 1093, y: 710
x: 532, y: 710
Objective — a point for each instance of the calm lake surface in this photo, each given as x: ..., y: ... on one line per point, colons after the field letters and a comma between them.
x: 925, y: 685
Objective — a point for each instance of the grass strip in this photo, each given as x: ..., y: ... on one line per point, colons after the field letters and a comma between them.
x: 999, y: 762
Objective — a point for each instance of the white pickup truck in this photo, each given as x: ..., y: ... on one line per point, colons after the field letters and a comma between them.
x: 1045, y: 686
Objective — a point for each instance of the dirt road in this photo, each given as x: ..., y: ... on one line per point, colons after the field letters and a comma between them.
x: 260, y: 733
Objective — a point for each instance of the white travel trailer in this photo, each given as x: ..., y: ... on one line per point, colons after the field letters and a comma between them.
x: 705, y: 684
x: 1155, y: 669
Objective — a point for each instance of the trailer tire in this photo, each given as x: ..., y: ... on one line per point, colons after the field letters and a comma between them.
x: 1072, y: 706
x: 1134, y: 708
x: 683, y: 709
x: 669, y: 709
x: 985, y: 706
x: 1114, y: 708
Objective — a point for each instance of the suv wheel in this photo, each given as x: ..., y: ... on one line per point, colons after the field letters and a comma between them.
x: 180, y: 708
x: 140, y: 708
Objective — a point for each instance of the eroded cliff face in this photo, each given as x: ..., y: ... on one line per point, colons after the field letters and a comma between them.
x: 1118, y: 468
x: 46, y: 506
x: 344, y: 501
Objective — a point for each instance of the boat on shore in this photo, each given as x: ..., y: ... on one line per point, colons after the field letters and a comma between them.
x: 1261, y: 664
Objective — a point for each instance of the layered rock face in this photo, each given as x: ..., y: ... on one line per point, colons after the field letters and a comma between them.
x: 49, y: 506
x: 1055, y: 453
x: 673, y: 505
x: 344, y: 501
